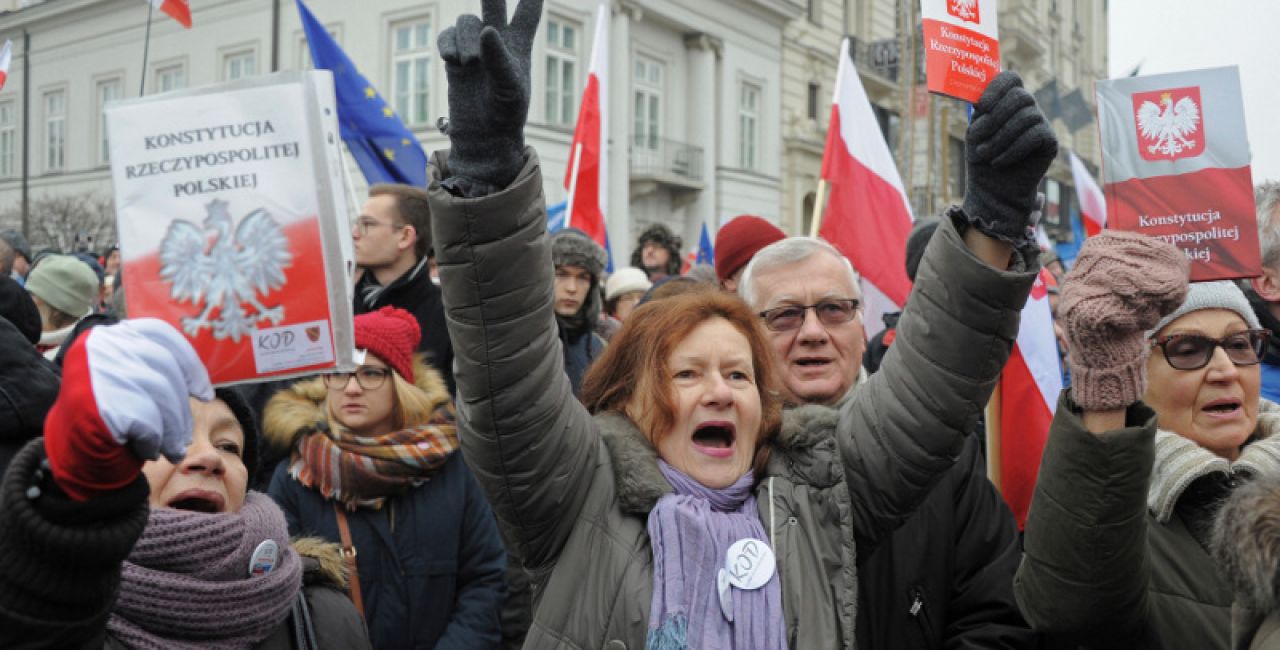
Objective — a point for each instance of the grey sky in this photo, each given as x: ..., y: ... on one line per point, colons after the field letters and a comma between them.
x: 1175, y: 35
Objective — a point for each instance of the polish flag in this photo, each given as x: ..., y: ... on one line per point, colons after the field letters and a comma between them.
x: 1029, y: 388
x: 178, y: 10
x: 867, y: 215
x: 1093, y: 205
x: 6, y: 55
x: 588, y: 174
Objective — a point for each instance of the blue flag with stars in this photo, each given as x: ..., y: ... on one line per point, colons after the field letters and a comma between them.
x: 706, y: 253
x: 385, y: 149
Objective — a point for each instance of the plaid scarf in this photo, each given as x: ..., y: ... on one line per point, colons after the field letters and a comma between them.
x: 363, y: 471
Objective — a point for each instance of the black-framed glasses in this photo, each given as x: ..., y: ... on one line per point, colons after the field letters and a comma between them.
x: 1193, y: 351
x: 368, y: 377
x: 364, y: 224
x: 830, y: 312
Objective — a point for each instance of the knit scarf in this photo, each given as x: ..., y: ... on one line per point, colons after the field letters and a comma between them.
x: 363, y: 471
x: 1180, y: 461
x: 370, y: 291
x: 691, y: 530
x: 187, y: 584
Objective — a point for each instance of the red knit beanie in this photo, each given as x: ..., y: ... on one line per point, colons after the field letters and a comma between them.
x: 391, y: 334
x: 739, y: 240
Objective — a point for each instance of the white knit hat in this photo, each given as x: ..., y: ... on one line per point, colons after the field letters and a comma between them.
x: 626, y: 280
x: 1222, y: 294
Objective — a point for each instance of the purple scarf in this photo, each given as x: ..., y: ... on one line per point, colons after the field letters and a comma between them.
x: 691, y: 530
x: 187, y: 585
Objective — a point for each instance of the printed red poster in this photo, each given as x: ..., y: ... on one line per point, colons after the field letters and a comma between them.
x: 961, y: 45
x: 229, y: 226
x: 1176, y: 167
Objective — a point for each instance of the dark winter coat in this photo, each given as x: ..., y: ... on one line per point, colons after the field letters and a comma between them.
x: 431, y: 563
x: 28, y: 387
x: 580, y: 349
x: 415, y: 293
x: 60, y: 565
x: 1117, y: 538
x: 574, y: 491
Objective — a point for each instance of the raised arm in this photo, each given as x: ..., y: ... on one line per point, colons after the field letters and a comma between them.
x: 529, y: 442
x: 1085, y: 571
x: 906, y: 425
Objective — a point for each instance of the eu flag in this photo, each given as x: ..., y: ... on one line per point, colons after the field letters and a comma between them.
x: 385, y: 149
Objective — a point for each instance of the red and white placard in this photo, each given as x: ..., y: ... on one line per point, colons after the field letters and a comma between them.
x: 961, y: 46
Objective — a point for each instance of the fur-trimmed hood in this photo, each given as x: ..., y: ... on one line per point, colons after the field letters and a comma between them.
x: 322, y: 562
x: 1246, y: 543
x: 300, y: 409
x: 792, y: 450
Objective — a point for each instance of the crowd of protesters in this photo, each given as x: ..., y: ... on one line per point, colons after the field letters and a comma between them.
x: 533, y: 451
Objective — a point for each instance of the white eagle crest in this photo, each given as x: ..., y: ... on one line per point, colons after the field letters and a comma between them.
x: 236, y: 269
x: 1170, y: 127
x: 965, y: 9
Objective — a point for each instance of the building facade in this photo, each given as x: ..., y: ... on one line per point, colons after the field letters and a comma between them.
x: 694, y: 88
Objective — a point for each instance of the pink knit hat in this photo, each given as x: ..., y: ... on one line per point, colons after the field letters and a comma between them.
x: 391, y: 334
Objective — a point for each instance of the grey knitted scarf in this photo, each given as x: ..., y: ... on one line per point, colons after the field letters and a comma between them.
x: 187, y: 584
x: 1180, y: 461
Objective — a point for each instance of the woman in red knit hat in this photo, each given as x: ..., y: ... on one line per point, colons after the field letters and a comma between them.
x: 373, y: 467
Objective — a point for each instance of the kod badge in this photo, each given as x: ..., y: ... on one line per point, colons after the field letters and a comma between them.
x: 264, y: 558
x: 749, y: 563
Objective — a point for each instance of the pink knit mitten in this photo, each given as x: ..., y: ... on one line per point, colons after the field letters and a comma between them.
x: 1122, y: 284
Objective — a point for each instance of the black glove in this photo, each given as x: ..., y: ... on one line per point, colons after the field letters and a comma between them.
x: 1008, y: 147
x: 488, y: 68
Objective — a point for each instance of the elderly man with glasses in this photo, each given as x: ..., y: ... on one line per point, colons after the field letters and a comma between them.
x: 945, y: 578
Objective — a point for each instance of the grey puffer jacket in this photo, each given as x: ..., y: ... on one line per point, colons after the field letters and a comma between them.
x: 573, y: 491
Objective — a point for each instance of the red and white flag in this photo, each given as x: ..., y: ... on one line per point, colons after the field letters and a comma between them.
x: 6, y: 56
x: 178, y: 10
x: 1029, y: 388
x: 1176, y: 167
x: 588, y: 175
x: 867, y: 215
x: 1093, y: 206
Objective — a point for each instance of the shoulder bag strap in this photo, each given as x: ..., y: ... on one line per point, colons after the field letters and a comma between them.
x: 349, y: 554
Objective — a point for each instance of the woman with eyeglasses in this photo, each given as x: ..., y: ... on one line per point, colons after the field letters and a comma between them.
x: 374, y: 468
x: 1162, y: 423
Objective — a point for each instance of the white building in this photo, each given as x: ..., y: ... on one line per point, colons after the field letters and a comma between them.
x: 695, y: 89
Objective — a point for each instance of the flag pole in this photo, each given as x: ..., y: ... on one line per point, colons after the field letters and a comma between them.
x: 819, y: 200
x: 146, y: 46
x: 994, y: 470
x: 573, y: 185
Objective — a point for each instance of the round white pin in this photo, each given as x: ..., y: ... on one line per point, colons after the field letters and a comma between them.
x: 264, y: 558
x: 749, y: 563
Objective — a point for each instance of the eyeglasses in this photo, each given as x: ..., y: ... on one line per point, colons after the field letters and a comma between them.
x: 368, y: 377
x: 363, y: 225
x: 830, y: 312
x: 1193, y: 351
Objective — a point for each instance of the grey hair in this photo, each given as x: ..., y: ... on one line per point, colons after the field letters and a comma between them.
x: 1268, y: 199
x: 786, y: 252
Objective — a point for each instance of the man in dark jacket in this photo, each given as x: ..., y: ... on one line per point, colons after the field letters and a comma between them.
x: 393, y: 241
x: 28, y: 382
x: 657, y: 252
x: 579, y: 263
x: 945, y: 578
x: 1264, y: 291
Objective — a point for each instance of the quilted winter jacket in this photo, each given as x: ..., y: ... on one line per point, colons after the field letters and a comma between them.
x: 573, y: 491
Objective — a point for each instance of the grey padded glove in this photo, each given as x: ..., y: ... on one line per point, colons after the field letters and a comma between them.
x: 487, y: 63
x: 1008, y: 147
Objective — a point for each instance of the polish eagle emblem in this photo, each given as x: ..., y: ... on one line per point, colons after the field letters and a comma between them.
x: 238, y: 269
x: 1167, y: 128
x: 964, y: 10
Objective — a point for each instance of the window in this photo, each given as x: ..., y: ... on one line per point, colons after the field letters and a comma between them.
x: 108, y: 91
x: 890, y: 126
x: 8, y: 138
x: 648, y: 103
x: 411, y: 70
x: 171, y: 77
x: 55, y: 130
x: 239, y: 65
x: 814, y: 92
x: 748, y: 125
x: 562, y: 71
x: 815, y: 11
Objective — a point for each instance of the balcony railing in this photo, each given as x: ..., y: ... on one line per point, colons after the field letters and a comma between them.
x: 661, y: 158
x: 879, y: 57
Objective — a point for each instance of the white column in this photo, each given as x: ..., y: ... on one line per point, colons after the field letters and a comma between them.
x: 703, y: 129
x: 621, y: 239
